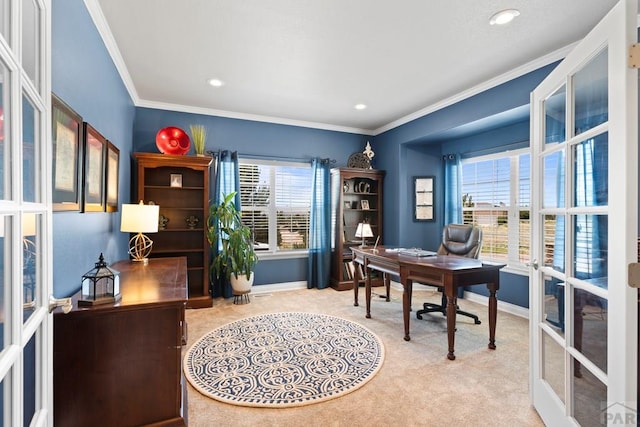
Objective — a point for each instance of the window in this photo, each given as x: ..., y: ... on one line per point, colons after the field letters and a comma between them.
x: 276, y: 204
x: 496, y: 197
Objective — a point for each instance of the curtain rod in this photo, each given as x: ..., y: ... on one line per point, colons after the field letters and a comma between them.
x: 281, y: 158
x: 492, y: 150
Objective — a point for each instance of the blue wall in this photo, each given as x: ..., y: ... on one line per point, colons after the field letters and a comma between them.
x: 416, y: 148
x: 254, y: 139
x: 84, y: 76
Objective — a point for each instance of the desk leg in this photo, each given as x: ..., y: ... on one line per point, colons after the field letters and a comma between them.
x: 493, y: 314
x: 387, y: 284
x: 367, y: 288
x: 406, y: 306
x: 355, y: 285
x: 451, y: 323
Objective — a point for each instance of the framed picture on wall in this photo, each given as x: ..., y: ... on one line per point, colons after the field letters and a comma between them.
x: 113, y: 168
x: 95, y: 149
x: 423, y: 198
x: 66, y: 128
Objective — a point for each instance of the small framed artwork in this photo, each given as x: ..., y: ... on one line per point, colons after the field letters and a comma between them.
x: 67, y: 155
x: 95, y: 149
x: 347, y: 204
x: 113, y: 168
x: 176, y: 180
x: 423, y: 199
x: 364, y: 204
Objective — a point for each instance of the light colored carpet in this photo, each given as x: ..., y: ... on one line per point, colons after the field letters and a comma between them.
x: 279, y: 360
x: 416, y: 386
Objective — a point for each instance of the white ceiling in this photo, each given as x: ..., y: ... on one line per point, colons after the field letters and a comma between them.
x: 309, y: 62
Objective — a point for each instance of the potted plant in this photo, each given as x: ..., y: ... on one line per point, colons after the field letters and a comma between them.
x: 198, y: 136
x: 235, y: 257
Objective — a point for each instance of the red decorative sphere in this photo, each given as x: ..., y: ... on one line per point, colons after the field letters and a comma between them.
x: 173, y: 140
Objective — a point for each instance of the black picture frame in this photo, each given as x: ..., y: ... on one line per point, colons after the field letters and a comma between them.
x: 67, y: 156
x: 112, y: 166
x: 94, y: 188
x: 424, y: 198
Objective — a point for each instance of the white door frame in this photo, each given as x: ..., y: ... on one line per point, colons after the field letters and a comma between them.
x: 617, y: 31
x: 25, y: 48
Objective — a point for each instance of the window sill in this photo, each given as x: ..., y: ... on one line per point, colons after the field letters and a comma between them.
x: 519, y: 270
x: 283, y: 255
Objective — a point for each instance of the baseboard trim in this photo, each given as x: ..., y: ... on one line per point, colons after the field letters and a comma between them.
x: 506, y: 307
x: 278, y: 287
x: 516, y: 310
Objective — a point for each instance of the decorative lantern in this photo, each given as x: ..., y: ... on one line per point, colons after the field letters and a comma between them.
x: 100, y: 285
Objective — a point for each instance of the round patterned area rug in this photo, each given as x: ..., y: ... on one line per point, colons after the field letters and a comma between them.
x: 283, y: 359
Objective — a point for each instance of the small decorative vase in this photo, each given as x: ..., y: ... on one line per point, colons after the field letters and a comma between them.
x: 192, y: 222
x: 162, y: 222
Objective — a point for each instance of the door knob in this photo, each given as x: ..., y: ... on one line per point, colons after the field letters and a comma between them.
x: 65, y: 303
x: 533, y: 264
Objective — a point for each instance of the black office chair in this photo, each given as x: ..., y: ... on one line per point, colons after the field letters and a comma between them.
x: 457, y: 239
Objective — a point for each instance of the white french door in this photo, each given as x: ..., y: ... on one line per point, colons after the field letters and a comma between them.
x: 25, y: 214
x: 583, y: 327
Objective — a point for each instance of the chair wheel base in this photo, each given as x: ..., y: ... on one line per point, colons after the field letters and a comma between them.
x: 428, y: 307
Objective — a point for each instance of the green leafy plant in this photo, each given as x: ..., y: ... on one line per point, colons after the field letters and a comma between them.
x: 225, y: 232
x: 199, y: 137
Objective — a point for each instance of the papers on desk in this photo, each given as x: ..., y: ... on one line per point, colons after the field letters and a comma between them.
x: 417, y: 252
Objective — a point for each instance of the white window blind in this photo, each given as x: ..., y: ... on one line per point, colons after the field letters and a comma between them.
x: 496, y: 198
x: 276, y: 203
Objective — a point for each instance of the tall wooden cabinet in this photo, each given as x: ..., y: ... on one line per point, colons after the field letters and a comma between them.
x: 356, y: 197
x: 180, y: 186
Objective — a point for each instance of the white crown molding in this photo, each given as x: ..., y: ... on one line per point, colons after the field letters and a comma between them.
x: 252, y: 117
x: 95, y: 11
x: 496, y: 81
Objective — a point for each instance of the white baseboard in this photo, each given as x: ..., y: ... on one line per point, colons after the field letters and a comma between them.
x: 516, y: 310
x: 278, y: 287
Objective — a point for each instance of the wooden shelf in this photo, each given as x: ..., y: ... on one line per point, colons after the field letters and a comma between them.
x: 177, y: 203
x: 347, y: 217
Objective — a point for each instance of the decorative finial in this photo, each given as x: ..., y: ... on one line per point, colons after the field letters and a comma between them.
x: 369, y: 153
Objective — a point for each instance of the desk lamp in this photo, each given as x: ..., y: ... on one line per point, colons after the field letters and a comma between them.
x: 364, y: 231
x: 140, y: 219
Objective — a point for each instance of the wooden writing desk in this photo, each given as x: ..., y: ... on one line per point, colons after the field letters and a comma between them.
x: 445, y: 271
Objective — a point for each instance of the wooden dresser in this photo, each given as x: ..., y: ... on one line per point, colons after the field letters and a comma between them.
x: 120, y: 364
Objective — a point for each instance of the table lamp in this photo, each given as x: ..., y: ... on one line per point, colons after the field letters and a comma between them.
x: 364, y: 230
x: 140, y: 219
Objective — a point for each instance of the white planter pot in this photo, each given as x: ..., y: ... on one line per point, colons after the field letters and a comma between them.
x: 241, y: 285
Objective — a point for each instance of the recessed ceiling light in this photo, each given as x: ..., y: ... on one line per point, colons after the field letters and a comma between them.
x: 504, y: 17
x: 360, y: 106
x: 215, y: 82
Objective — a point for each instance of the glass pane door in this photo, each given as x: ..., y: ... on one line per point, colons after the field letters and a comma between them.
x: 582, y: 309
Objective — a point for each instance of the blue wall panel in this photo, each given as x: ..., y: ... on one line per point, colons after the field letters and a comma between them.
x: 84, y: 76
x: 254, y: 139
x: 402, y: 152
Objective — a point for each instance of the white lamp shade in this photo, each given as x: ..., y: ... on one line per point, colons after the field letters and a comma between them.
x: 28, y: 224
x: 364, y: 230
x: 139, y: 218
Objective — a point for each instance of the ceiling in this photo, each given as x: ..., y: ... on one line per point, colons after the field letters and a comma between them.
x: 309, y: 62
